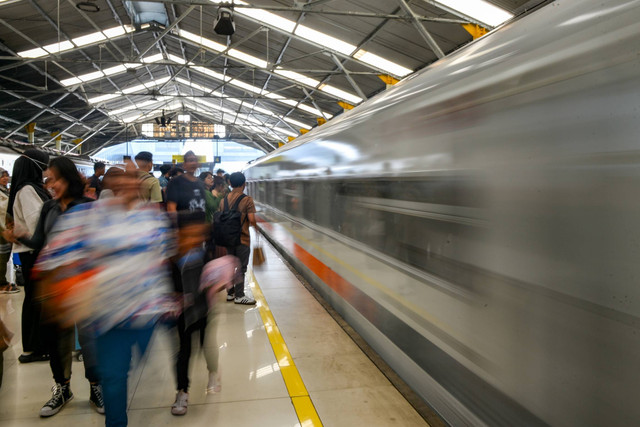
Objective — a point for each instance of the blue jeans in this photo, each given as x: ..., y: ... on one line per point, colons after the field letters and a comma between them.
x: 114, y: 358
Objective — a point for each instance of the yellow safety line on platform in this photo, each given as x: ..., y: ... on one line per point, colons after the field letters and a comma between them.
x: 302, y: 403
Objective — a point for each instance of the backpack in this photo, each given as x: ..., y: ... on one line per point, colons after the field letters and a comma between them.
x: 227, y: 224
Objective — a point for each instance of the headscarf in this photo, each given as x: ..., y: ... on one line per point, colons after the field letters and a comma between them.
x: 27, y: 170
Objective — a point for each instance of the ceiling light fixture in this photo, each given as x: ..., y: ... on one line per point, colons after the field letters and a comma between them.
x: 224, y: 24
x: 88, y: 6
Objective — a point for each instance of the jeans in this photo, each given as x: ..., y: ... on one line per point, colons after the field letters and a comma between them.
x: 242, y: 252
x: 114, y: 358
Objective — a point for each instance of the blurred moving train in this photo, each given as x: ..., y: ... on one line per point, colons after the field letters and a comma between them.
x: 506, y: 178
x: 10, y: 151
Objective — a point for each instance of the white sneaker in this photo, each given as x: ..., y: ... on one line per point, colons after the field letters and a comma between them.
x: 180, y: 405
x: 214, y: 385
x: 230, y: 297
x: 245, y: 300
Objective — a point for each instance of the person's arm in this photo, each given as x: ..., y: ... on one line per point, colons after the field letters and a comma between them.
x: 27, y: 210
x: 36, y: 241
x: 172, y: 196
x: 252, y: 219
x: 251, y: 212
x: 156, y: 192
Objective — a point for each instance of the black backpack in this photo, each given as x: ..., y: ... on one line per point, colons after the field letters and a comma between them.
x: 227, y: 225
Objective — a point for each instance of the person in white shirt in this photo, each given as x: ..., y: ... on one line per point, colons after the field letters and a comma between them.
x: 25, y: 202
x: 6, y: 287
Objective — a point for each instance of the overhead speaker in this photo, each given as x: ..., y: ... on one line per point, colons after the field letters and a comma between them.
x: 224, y: 24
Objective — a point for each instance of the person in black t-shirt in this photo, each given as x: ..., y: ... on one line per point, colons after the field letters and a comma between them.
x: 94, y: 181
x: 186, y: 192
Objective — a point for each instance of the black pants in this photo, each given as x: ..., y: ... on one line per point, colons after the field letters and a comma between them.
x: 184, y: 354
x: 60, y: 343
x: 4, y: 260
x: 242, y: 252
x: 31, y: 309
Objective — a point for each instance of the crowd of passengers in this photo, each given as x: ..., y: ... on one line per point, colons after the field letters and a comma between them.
x: 107, y: 259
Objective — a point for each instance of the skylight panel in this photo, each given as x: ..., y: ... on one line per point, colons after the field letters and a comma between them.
x: 268, y: 18
x: 131, y: 118
x: 202, y: 40
x: 325, y: 40
x: 297, y: 77
x: 157, y: 82
x: 211, y: 73
x: 297, y: 123
x: 274, y: 96
x: 286, y: 131
x: 70, y: 82
x: 102, y: 98
x: 88, y: 39
x: 248, y: 58
x: 33, y: 53
x: 114, y: 70
x: 133, y: 89
x: 246, y: 86
x: 153, y: 58
x: 340, y: 93
x: 117, y: 31
x: 381, y: 63
x: 91, y: 76
x: 257, y: 90
x: 176, y: 58
x: 480, y: 10
x: 262, y: 110
x: 58, y: 47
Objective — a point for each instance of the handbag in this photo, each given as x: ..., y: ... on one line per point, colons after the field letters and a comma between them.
x: 258, y: 254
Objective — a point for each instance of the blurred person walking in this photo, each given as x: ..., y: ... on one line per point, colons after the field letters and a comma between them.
x: 68, y: 186
x: 26, y: 198
x: 198, y: 315
x: 5, y: 246
x: 116, y: 249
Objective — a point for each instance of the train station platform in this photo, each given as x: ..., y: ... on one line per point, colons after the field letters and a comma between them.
x: 284, y: 362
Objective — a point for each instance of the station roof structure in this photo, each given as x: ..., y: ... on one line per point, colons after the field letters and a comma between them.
x: 96, y: 70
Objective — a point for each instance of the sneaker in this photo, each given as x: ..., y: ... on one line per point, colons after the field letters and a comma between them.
x: 230, y: 297
x: 33, y: 357
x: 180, y: 405
x: 61, y: 395
x: 245, y: 300
x: 11, y: 288
x: 214, y: 385
x: 95, y: 399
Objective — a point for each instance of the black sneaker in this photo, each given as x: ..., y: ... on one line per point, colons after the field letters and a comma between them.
x: 33, y: 357
x: 61, y: 395
x: 96, y: 398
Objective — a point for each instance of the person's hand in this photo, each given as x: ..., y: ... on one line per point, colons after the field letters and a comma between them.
x: 9, y: 236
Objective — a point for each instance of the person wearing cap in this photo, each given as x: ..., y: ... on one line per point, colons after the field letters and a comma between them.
x: 26, y: 198
x: 149, y: 185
